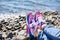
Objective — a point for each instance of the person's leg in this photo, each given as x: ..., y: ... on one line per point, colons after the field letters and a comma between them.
x: 31, y: 36
x: 42, y: 36
x: 52, y: 32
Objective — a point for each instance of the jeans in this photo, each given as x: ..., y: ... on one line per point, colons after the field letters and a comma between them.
x: 49, y: 33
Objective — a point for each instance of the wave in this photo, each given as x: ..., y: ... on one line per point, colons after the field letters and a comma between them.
x: 15, y: 6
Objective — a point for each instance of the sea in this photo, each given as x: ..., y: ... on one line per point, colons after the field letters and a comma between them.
x: 16, y: 6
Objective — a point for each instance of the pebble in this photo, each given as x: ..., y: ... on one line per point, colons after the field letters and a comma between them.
x: 54, y: 13
x: 21, y: 35
x: 52, y: 17
x: 9, y: 27
x: 4, y: 34
x: 25, y: 27
x: 19, y: 24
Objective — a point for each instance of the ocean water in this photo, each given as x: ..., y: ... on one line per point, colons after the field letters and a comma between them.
x: 16, y: 6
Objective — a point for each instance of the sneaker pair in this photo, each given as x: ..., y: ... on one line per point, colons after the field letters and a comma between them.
x: 34, y: 21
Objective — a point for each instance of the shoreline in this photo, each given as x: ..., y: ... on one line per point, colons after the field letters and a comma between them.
x: 49, y: 13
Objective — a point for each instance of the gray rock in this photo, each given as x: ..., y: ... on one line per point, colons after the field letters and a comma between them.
x: 4, y: 35
x: 8, y: 27
x: 54, y: 13
x: 21, y: 34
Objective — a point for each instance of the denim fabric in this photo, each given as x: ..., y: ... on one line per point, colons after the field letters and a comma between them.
x: 49, y: 33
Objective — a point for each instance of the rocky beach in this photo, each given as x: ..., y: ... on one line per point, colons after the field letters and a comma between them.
x: 13, y: 26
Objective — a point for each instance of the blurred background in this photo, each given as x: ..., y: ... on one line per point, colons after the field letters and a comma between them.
x: 16, y: 6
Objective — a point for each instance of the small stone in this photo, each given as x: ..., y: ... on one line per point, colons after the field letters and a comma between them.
x: 25, y: 27
x: 4, y: 35
x: 1, y: 25
x: 20, y: 37
x: 10, y: 35
x: 45, y: 13
x: 55, y: 13
x: 21, y: 34
x: 4, y: 28
x: 8, y: 27
x: 58, y: 12
x: 2, y: 21
x: 59, y: 16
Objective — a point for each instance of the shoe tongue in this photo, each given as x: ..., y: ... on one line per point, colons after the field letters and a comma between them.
x: 30, y: 18
x: 38, y: 14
